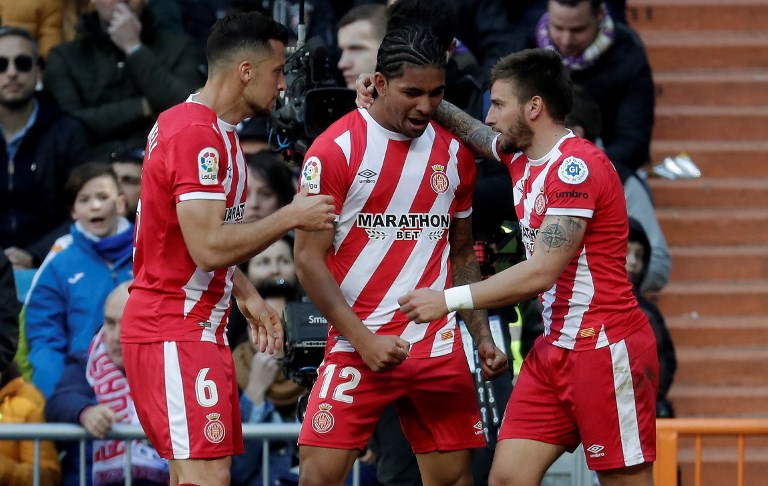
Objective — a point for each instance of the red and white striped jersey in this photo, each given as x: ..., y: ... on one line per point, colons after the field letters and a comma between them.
x: 395, y: 198
x: 591, y: 305
x: 191, y: 154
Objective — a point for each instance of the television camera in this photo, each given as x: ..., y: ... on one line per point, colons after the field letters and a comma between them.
x: 312, y: 100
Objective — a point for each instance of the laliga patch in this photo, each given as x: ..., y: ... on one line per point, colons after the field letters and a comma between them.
x: 540, y: 204
x: 573, y: 171
x: 438, y: 180
x: 208, y: 166
x: 310, y: 175
x: 322, y: 420
x: 214, y: 429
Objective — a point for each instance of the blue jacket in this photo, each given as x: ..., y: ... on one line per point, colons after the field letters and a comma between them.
x: 73, y: 394
x: 65, y: 305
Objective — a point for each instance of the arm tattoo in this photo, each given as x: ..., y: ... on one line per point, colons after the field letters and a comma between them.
x: 478, y: 136
x: 560, y: 233
x: 476, y: 320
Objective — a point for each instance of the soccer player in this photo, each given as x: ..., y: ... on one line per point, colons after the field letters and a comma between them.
x: 592, y: 377
x: 187, y: 245
x: 402, y: 188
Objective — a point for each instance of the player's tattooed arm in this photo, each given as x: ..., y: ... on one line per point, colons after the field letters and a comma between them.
x: 477, y: 135
x: 466, y: 270
x: 561, y: 233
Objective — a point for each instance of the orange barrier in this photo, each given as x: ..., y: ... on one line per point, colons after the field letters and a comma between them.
x: 668, y: 431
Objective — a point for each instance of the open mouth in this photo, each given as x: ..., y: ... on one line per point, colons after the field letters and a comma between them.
x: 418, y: 123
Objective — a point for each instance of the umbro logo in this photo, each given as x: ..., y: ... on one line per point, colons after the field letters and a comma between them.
x: 367, y: 176
x: 76, y: 278
x: 596, y: 450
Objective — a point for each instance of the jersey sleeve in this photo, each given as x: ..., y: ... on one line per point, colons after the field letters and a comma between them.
x: 573, y: 188
x: 467, y: 178
x: 324, y: 171
x: 195, y: 158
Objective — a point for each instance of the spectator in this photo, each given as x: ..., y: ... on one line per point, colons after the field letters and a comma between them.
x: 608, y: 60
x: 121, y: 73
x: 270, y: 185
x: 525, y: 13
x: 94, y: 393
x: 266, y: 396
x: 274, y: 264
x: 9, y: 313
x: 126, y: 162
x: 638, y: 257
x: 42, y: 18
x: 40, y: 146
x: 359, y: 34
x: 22, y: 403
x: 64, y: 307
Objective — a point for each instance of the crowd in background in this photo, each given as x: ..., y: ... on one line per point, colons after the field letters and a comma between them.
x: 81, y: 85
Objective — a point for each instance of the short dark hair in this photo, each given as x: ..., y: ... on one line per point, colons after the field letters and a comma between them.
x: 538, y: 72
x: 82, y: 174
x: 437, y: 17
x: 594, y: 5
x: 243, y: 30
x: 412, y: 45
x: 275, y: 173
x: 374, y: 13
x: 8, y: 31
x: 127, y: 153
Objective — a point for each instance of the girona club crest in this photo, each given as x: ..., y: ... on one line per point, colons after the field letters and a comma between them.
x: 438, y: 180
x: 323, y: 420
x: 214, y: 429
x: 540, y: 204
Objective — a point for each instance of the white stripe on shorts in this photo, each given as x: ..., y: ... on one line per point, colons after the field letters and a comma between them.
x: 625, y: 404
x: 174, y: 396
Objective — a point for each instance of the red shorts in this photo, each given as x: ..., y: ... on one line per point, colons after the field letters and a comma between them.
x: 604, y: 398
x: 186, y: 398
x: 435, y: 398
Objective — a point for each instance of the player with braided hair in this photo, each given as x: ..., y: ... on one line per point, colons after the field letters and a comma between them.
x: 402, y: 188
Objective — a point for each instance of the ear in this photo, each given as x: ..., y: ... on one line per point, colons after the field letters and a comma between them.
x: 121, y: 204
x: 451, y: 48
x: 535, y: 107
x: 380, y: 84
x: 246, y: 71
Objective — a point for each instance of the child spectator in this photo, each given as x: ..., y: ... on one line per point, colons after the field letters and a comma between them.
x: 638, y: 256
x: 20, y: 403
x: 64, y: 307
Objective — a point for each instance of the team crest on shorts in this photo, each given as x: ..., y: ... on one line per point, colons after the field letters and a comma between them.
x: 573, y: 170
x: 214, y: 429
x: 438, y: 180
x: 540, y: 204
x: 208, y: 166
x: 322, y: 420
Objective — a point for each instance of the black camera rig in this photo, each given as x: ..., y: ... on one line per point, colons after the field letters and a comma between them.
x: 312, y: 100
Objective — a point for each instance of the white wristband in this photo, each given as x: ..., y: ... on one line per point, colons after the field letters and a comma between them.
x: 458, y: 298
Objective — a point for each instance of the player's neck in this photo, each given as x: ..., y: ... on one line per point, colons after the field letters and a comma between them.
x: 226, y: 107
x: 378, y: 113
x: 544, y: 139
